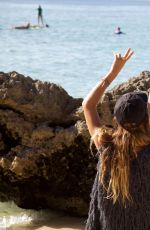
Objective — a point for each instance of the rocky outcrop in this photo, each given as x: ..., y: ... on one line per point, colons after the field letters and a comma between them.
x: 106, y: 106
x: 45, y: 160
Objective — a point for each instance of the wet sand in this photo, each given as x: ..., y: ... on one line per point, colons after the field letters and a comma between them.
x: 64, y: 223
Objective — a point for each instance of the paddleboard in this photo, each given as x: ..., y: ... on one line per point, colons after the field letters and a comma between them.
x: 36, y: 27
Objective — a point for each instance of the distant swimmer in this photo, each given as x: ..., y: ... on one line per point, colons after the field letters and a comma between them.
x: 118, y: 31
x: 40, y: 15
x: 22, y: 27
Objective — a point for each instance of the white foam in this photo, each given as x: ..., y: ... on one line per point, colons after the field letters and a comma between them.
x: 11, y: 214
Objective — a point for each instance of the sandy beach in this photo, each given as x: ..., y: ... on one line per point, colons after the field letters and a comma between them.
x: 63, y: 223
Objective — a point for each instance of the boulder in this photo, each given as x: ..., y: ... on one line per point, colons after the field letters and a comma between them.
x: 45, y: 156
x: 35, y: 100
x: 106, y: 105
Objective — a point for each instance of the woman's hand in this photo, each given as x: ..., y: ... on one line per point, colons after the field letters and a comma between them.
x: 120, y: 61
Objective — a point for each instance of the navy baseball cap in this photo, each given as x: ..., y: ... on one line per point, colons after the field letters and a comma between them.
x: 131, y: 108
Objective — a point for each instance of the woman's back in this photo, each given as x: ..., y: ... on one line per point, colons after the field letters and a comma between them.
x: 135, y: 215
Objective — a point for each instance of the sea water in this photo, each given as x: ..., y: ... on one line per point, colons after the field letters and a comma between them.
x: 75, y: 51
x: 15, y: 218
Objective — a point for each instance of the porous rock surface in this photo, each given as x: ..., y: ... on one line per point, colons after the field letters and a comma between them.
x: 45, y: 160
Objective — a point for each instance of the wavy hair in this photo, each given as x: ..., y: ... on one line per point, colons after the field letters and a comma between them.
x: 121, y: 146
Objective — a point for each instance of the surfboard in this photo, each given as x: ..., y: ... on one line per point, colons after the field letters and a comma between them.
x: 36, y: 27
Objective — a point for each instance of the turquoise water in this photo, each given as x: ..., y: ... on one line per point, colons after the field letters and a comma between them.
x: 76, y: 51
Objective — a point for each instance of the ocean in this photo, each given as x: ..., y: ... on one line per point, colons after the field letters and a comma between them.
x: 75, y: 51
x: 15, y: 218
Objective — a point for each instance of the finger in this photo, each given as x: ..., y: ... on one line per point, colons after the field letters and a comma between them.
x: 129, y: 55
x: 118, y: 55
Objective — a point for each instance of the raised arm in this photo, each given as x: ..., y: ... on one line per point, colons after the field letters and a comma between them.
x: 90, y: 102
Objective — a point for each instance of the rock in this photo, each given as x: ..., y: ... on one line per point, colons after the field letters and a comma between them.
x: 106, y: 106
x: 45, y: 156
x: 36, y: 101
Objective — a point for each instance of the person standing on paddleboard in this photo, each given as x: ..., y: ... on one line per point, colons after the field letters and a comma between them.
x: 40, y: 15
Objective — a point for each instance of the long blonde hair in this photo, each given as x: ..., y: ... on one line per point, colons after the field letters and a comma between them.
x: 121, y: 146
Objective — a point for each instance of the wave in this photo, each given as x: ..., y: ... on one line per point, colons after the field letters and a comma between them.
x: 14, y: 218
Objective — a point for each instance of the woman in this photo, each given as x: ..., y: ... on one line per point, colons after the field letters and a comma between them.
x: 120, y: 198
